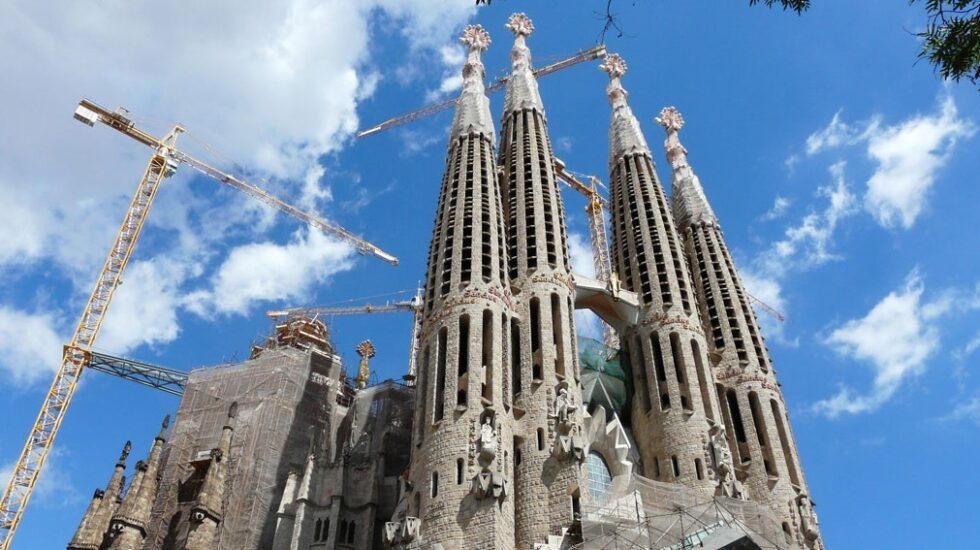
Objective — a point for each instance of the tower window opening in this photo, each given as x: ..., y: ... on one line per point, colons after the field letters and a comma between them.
x: 459, y: 471
x: 540, y: 434
x: 736, y: 416
x: 656, y: 468
x: 658, y: 363
x: 423, y: 391
x: 762, y: 434
x: 506, y: 359
x: 556, y: 335
x: 440, y: 390
x: 487, y: 356
x: 702, y: 380
x: 677, y: 354
x: 675, y: 465
x: 642, y: 384
x: 535, y: 325
x: 699, y: 468
x: 435, y: 484
x: 515, y: 356
x: 784, y: 442
x: 326, y: 529
x: 317, y: 530
x: 464, y: 344
x: 350, y: 532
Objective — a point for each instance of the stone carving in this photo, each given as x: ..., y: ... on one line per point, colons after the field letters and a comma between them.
x: 520, y: 24
x: 475, y: 37
x: 391, y: 533
x: 670, y: 118
x: 614, y: 65
x: 490, y: 484
x: 808, y: 517
x: 411, y: 527
x: 125, y: 452
x: 366, y: 350
x: 562, y: 405
x: 721, y: 456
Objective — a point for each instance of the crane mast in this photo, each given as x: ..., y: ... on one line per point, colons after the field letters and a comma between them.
x: 78, y: 352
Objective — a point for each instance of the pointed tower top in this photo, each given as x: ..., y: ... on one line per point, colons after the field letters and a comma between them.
x: 522, y: 86
x: 625, y: 135
x: 473, y: 106
x: 125, y: 453
x: 690, y: 203
x: 162, y: 436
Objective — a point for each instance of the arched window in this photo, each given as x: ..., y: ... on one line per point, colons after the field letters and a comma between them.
x: 600, y: 479
x: 326, y: 529
x: 318, y: 530
x: 350, y: 533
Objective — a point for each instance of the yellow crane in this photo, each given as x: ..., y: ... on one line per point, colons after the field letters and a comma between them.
x: 414, y: 305
x: 590, y: 54
x: 78, y: 352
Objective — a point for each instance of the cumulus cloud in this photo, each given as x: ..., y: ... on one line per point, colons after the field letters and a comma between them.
x: 56, y: 488
x: 907, y: 157
x: 894, y: 339
x: 30, y: 345
x: 265, y: 89
x: 967, y: 410
x: 261, y: 272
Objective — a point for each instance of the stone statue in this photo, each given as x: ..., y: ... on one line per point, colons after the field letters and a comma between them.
x: 808, y: 517
x: 562, y: 405
x: 721, y: 454
x: 488, y: 441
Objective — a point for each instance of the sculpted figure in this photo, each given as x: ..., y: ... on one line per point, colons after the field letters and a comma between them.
x: 488, y: 441
x: 562, y: 405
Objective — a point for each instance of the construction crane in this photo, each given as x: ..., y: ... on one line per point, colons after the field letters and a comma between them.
x: 161, y: 378
x: 590, y: 54
x: 414, y: 305
x: 77, y: 354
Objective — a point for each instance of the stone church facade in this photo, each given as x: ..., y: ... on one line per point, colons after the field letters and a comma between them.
x: 494, y: 445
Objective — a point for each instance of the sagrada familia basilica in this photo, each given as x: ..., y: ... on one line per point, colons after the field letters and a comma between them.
x: 504, y: 438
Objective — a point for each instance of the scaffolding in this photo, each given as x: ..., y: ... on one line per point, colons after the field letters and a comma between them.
x: 665, y: 516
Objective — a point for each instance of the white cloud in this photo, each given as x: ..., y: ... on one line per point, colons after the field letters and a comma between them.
x: 779, y: 207
x: 968, y: 349
x: 967, y: 410
x: 810, y: 243
x: 30, y: 345
x: 273, y: 85
x: 908, y: 156
x: 895, y: 339
x: 144, y: 308
x: 263, y: 272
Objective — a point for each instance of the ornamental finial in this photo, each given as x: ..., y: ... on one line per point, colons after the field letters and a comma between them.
x: 366, y: 350
x: 125, y: 452
x: 520, y: 24
x: 614, y: 65
x: 670, y: 118
x: 476, y: 38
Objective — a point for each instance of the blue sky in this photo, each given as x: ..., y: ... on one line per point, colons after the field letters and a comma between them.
x: 844, y: 174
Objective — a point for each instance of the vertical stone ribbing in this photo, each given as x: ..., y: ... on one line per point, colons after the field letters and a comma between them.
x: 755, y: 416
x: 128, y: 527
x: 92, y: 529
x: 546, y: 479
x: 460, y: 469
x: 677, y: 404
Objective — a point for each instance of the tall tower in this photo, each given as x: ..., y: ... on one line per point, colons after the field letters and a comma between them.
x: 462, y: 456
x: 127, y: 530
x: 91, y: 531
x: 752, y: 404
x: 675, y: 405
x: 547, y: 448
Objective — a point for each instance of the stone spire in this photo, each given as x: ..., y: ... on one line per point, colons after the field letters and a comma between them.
x: 466, y: 319
x: 625, y: 135
x: 128, y: 526
x: 755, y: 423
x: 687, y: 195
x: 549, y: 470
x: 207, y: 513
x: 92, y: 529
x: 675, y: 399
x: 473, y: 106
x: 522, y: 86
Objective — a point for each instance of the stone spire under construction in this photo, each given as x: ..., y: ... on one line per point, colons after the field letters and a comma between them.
x: 754, y: 410
x: 91, y: 531
x: 128, y: 526
x: 208, y: 511
x: 461, y: 467
x: 547, y: 448
x: 676, y: 404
